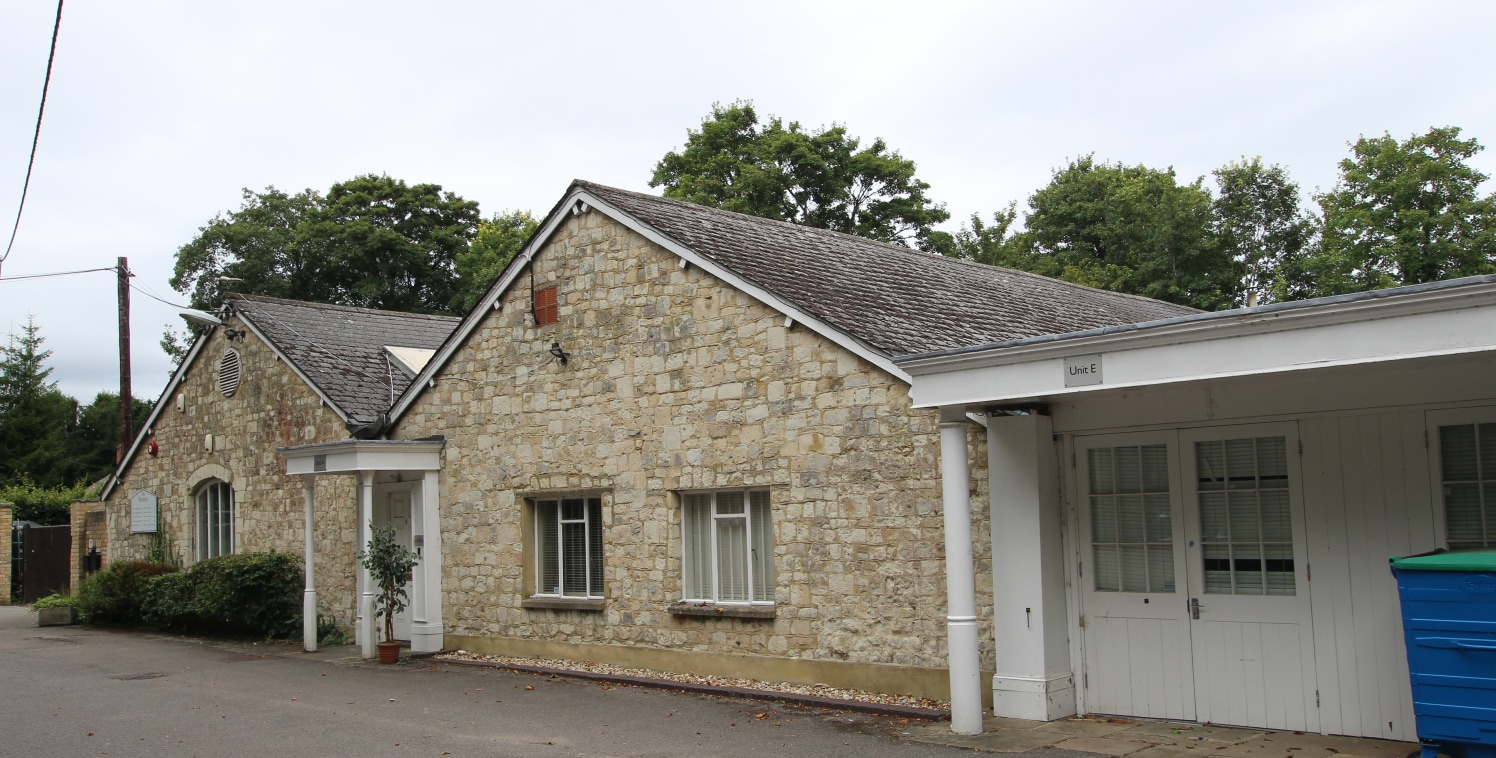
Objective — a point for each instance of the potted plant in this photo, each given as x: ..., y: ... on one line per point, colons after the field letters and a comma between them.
x: 389, y: 564
x: 55, y: 610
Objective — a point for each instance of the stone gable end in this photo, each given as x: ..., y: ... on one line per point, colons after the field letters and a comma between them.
x: 674, y: 382
x: 271, y: 407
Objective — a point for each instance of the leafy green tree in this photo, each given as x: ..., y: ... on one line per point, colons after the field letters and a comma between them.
x: 823, y: 178
x: 35, y: 418
x: 995, y: 244
x: 95, y: 439
x: 1259, y: 224
x: 1405, y: 213
x: 1129, y: 229
x: 371, y: 241
x: 255, y: 245
x: 496, y: 244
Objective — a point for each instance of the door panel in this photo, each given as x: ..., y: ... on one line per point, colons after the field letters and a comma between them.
x: 393, y: 507
x: 1253, y: 640
x: 1135, y: 631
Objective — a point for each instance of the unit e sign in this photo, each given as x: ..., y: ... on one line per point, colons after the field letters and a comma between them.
x: 143, y: 512
x: 1082, y: 370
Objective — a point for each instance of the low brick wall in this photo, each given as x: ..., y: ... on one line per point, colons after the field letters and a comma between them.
x: 6, y: 522
x: 90, y: 525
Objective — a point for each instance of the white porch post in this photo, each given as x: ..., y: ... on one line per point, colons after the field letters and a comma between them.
x: 309, y: 596
x: 426, y: 635
x: 368, y: 633
x: 960, y: 577
x: 1033, y: 679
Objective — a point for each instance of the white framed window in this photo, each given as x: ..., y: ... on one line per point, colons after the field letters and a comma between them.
x: 1466, y: 459
x: 729, y: 544
x: 1246, y: 521
x: 1132, y: 529
x: 569, y: 547
x: 215, y: 520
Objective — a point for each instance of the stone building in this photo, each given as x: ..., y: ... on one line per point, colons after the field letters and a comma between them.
x: 203, y: 478
x: 675, y: 437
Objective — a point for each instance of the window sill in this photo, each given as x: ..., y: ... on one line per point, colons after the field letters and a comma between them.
x: 564, y: 603
x: 725, y: 610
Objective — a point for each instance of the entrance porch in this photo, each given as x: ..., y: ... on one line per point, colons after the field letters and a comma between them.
x: 398, y: 483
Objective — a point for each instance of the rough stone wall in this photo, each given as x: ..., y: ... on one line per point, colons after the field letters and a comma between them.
x: 271, y: 408
x: 90, y: 523
x: 675, y: 382
x: 6, y: 524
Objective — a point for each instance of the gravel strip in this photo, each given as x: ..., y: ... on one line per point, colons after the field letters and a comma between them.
x: 818, y: 695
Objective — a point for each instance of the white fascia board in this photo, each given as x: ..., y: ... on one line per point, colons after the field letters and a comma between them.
x: 295, y: 369
x: 563, y: 211
x: 345, y: 457
x: 161, y: 403
x: 1450, y: 322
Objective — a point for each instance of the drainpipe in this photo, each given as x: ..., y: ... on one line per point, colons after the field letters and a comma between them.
x: 960, y: 577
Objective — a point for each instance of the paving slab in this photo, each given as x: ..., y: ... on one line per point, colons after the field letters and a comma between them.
x: 1086, y: 727
x: 1112, y: 746
x: 1185, y: 732
x: 1000, y: 741
x: 1192, y: 750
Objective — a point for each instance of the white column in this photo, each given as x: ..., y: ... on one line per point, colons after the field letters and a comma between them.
x: 368, y: 632
x: 426, y: 634
x: 1033, y: 679
x: 309, y: 595
x: 960, y: 577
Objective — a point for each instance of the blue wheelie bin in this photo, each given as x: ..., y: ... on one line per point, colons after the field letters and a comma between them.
x: 1449, y: 624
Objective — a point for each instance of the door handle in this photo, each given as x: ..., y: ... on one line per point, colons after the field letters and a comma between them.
x: 1195, y: 608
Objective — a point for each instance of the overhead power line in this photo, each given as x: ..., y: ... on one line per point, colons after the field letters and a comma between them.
x: 35, y: 138
x: 54, y: 273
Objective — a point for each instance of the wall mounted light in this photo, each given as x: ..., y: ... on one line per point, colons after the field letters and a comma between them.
x: 561, y: 355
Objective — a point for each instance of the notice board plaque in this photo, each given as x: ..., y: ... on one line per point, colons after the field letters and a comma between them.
x: 143, y: 512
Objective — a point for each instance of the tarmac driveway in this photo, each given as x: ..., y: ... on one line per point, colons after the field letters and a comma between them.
x: 77, y: 691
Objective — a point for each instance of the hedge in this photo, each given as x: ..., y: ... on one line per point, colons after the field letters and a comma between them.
x: 248, y: 594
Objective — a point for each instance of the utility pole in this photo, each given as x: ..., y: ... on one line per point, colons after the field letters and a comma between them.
x: 126, y: 401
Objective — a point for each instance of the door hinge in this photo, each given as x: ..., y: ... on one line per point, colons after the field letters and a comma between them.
x: 1085, y: 680
x: 1083, y: 622
x: 1308, y: 572
x: 1316, y: 698
x: 1425, y: 439
x: 1080, y: 569
x: 1301, y: 448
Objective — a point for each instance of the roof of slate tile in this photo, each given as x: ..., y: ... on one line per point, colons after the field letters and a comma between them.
x: 896, y: 300
x: 341, y: 349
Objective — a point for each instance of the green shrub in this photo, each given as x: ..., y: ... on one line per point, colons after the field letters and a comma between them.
x: 249, y: 594
x: 47, y: 506
x: 256, y: 594
x: 167, y: 603
x: 54, y: 601
x: 116, y: 595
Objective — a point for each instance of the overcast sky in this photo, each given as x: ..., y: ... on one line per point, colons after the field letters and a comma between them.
x: 160, y: 112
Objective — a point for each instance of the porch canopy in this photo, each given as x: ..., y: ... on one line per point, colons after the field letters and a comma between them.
x: 378, y: 462
x: 1011, y: 387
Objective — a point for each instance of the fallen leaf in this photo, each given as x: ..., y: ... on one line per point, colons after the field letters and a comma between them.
x: 529, y: 686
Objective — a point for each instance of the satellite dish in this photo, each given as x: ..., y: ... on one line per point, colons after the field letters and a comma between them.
x: 200, y: 318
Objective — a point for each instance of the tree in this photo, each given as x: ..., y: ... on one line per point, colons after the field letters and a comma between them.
x: 995, y: 244
x: 1129, y: 229
x: 823, y: 178
x: 35, y: 418
x: 95, y: 438
x: 1405, y: 213
x: 496, y: 244
x: 1258, y: 224
x: 371, y: 241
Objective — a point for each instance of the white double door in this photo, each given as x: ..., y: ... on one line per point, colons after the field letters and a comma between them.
x: 1192, y: 569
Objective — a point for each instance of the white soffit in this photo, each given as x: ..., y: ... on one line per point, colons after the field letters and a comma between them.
x: 1452, y: 321
x: 411, y: 360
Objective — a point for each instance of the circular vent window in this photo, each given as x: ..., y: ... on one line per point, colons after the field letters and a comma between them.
x: 229, y: 370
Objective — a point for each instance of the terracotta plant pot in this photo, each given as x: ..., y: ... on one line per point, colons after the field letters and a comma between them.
x: 389, y: 652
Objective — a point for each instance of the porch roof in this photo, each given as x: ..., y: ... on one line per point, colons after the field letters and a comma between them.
x: 1437, y: 319
x: 351, y: 456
